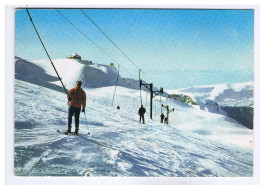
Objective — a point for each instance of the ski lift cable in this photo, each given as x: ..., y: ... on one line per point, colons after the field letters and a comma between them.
x: 140, y: 87
x: 92, y: 41
x: 114, y: 43
x: 116, y: 84
x: 127, y: 72
x: 49, y: 55
x: 155, y: 105
x: 146, y: 97
x: 46, y: 50
x: 161, y: 103
x: 86, y: 36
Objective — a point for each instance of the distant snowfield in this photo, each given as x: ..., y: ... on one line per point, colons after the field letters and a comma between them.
x: 195, y: 143
x: 237, y: 94
x: 234, y: 100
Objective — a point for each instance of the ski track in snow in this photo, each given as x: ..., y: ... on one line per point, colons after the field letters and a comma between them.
x: 118, y: 144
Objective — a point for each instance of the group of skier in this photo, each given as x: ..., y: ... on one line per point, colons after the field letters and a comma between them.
x: 142, y: 111
x: 77, y: 103
x: 163, y: 118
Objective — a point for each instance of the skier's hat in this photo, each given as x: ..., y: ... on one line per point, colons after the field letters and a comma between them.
x: 79, y: 83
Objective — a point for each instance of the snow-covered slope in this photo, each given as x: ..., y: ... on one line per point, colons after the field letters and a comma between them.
x: 238, y: 94
x: 234, y: 100
x: 71, y: 70
x: 195, y: 143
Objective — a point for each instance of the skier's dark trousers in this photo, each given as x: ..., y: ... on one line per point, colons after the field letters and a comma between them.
x: 76, y: 112
x: 141, y: 113
x: 162, y: 117
x: 77, y: 99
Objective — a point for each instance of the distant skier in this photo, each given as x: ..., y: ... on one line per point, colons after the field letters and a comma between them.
x: 162, y: 117
x: 118, y: 107
x: 141, y: 113
x: 77, y: 99
x: 166, y: 120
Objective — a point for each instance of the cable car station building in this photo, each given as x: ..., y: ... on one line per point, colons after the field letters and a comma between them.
x: 75, y: 56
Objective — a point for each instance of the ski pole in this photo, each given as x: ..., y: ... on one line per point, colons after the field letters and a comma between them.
x: 86, y: 123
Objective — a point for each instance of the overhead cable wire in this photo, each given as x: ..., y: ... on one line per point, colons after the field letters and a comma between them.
x: 114, y: 43
x: 93, y: 42
x: 116, y: 84
x: 46, y: 50
x: 85, y: 36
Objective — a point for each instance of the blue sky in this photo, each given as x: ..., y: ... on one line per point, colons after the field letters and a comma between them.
x: 175, y: 48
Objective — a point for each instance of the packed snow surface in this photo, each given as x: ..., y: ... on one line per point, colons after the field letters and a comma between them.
x: 195, y: 143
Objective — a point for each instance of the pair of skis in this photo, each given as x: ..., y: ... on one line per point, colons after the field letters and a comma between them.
x: 70, y: 133
x: 73, y: 133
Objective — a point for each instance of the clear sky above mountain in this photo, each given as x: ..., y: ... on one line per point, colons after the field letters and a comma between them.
x: 176, y: 48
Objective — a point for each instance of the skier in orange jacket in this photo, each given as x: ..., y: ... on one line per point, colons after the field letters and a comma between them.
x: 77, y: 99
